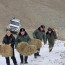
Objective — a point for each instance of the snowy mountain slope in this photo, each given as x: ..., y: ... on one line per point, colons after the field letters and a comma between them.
x: 56, y: 57
x: 32, y: 14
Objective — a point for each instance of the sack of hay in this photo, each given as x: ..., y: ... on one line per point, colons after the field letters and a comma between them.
x: 6, y: 50
x: 36, y: 42
x: 56, y: 30
x: 25, y: 49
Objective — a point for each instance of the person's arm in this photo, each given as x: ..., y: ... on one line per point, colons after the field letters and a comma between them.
x: 44, y: 38
x: 3, y: 40
x: 28, y: 39
x: 13, y: 41
x: 16, y: 42
x: 34, y: 34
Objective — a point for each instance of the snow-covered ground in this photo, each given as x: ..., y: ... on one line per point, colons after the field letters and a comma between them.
x: 56, y: 57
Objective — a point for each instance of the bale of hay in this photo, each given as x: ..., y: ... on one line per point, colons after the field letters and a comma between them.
x: 36, y: 42
x: 0, y: 50
x: 6, y: 50
x: 20, y: 47
x: 25, y: 49
x: 29, y: 50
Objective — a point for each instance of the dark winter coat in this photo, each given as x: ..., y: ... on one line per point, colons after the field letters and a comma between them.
x: 39, y: 35
x: 8, y: 40
x: 21, y: 38
x: 51, y: 38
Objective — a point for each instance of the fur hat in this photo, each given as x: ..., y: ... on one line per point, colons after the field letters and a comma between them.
x: 49, y: 29
x: 22, y: 29
x: 42, y: 26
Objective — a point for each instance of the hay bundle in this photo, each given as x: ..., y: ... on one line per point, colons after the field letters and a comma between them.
x: 56, y: 30
x: 36, y: 42
x: 25, y: 49
x: 29, y: 50
x: 20, y: 47
x: 6, y: 50
x: 0, y: 49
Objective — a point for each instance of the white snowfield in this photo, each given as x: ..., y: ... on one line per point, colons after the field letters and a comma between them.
x: 56, y: 57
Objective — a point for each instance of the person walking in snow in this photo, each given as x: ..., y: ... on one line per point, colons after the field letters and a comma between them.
x: 9, y: 39
x: 22, y: 37
x: 50, y: 36
x: 41, y: 35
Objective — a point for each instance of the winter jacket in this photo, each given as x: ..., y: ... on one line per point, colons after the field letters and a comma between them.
x: 39, y: 35
x: 21, y: 38
x: 8, y: 40
x: 51, y: 37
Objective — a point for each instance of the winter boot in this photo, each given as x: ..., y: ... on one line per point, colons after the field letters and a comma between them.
x: 26, y: 62
x: 35, y: 55
x: 16, y: 64
x: 8, y: 64
x: 38, y: 54
x: 50, y: 49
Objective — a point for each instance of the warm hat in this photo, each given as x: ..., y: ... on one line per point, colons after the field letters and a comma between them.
x: 22, y: 29
x: 49, y: 29
x: 42, y: 26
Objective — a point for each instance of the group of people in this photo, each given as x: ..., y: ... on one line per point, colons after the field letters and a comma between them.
x: 23, y: 36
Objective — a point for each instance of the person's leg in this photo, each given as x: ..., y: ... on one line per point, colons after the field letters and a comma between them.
x: 26, y: 57
x: 38, y: 52
x: 35, y: 55
x: 7, y: 61
x: 21, y: 57
x: 13, y: 58
x: 50, y: 47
